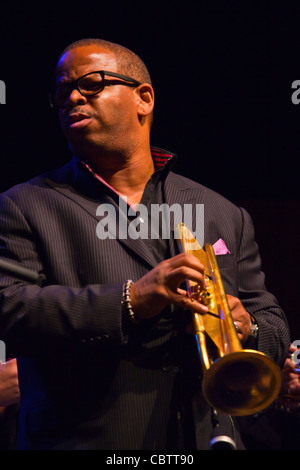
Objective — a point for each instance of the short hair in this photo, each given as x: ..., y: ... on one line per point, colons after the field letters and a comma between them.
x: 128, y: 62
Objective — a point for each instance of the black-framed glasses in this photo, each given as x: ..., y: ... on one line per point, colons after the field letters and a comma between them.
x: 89, y: 84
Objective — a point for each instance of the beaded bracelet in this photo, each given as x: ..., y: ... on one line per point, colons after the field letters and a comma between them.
x: 126, y: 301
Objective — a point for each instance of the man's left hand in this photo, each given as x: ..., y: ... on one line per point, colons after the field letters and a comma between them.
x: 241, y: 318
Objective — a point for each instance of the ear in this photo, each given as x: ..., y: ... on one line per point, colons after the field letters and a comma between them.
x: 145, y: 99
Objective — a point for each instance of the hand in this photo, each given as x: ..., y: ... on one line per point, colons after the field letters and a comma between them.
x: 290, y: 378
x: 9, y: 384
x: 241, y: 317
x: 161, y: 286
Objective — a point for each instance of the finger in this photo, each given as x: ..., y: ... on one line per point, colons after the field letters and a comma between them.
x: 289, y: 365
x: 186, y: 259
x: 235, y: 305
x: 179, y: 275
x: 183, y: 301
x: 182, y: 292
x: 292, y: 349
x: 194, y: 306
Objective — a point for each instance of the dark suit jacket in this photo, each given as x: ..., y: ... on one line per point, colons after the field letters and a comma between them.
x: 84, y: 382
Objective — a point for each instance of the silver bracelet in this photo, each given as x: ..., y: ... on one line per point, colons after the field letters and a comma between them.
x: 126, y: 301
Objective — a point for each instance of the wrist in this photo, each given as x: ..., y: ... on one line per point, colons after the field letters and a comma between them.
x: 127, y: 308
x: 251, y: 341
x: 253, y: 327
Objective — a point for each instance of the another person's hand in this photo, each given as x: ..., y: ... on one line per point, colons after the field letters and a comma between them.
x: 290, y: 377
x: 9, y: 384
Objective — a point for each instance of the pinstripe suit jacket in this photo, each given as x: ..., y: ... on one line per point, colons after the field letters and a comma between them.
x: 84, y: 383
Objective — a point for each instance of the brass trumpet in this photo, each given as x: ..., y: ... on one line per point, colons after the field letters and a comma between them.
x: 236, y: 381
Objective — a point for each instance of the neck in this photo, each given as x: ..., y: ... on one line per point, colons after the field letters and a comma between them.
x: 128, y: 175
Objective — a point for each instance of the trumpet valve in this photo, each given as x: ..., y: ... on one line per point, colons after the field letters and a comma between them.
x: 203, y: 296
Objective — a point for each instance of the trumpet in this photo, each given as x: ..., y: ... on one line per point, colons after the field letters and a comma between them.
x: 236, y: 381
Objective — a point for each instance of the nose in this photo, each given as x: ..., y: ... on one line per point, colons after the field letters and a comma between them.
x: 75, y: 98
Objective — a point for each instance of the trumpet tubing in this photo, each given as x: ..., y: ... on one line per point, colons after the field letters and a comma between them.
x: 236, y: 381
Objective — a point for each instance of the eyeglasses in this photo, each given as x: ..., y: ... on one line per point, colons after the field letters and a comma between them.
x: 89, y: 84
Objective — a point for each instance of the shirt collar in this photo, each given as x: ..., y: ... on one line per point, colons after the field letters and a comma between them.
x: 163, y: 161
x: 162, y: 158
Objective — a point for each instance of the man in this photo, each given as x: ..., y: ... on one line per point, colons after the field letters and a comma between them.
x: 104, y: 357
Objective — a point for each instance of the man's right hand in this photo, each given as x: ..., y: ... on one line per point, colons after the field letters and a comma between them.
x: 161, y: 287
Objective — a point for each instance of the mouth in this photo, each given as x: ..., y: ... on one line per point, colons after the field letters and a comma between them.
x: 76, y: 120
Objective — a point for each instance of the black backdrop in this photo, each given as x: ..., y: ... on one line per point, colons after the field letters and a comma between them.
x: 222, y: 73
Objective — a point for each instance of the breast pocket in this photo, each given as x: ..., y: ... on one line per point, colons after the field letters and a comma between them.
x: 228, y: 268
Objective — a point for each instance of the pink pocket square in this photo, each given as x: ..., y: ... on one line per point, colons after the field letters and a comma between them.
x: 220, y: 248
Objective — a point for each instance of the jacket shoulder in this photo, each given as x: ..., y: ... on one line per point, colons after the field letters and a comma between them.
x: 37, y: 184
x: 202, y: 193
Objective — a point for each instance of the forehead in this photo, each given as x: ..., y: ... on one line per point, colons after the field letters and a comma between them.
x: 84, y: 59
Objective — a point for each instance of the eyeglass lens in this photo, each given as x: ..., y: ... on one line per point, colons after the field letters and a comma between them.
x: 87, y: 85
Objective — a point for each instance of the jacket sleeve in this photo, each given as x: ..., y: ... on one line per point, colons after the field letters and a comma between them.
x: 273, y: 331
x: 36, y: 317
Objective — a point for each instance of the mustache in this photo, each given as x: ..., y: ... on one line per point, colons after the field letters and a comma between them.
x: 80, y: 110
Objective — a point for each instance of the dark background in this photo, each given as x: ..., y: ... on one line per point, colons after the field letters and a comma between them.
x: 222, y: 73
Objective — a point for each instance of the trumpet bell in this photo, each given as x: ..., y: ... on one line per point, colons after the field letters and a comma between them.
x: 242, y: 382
